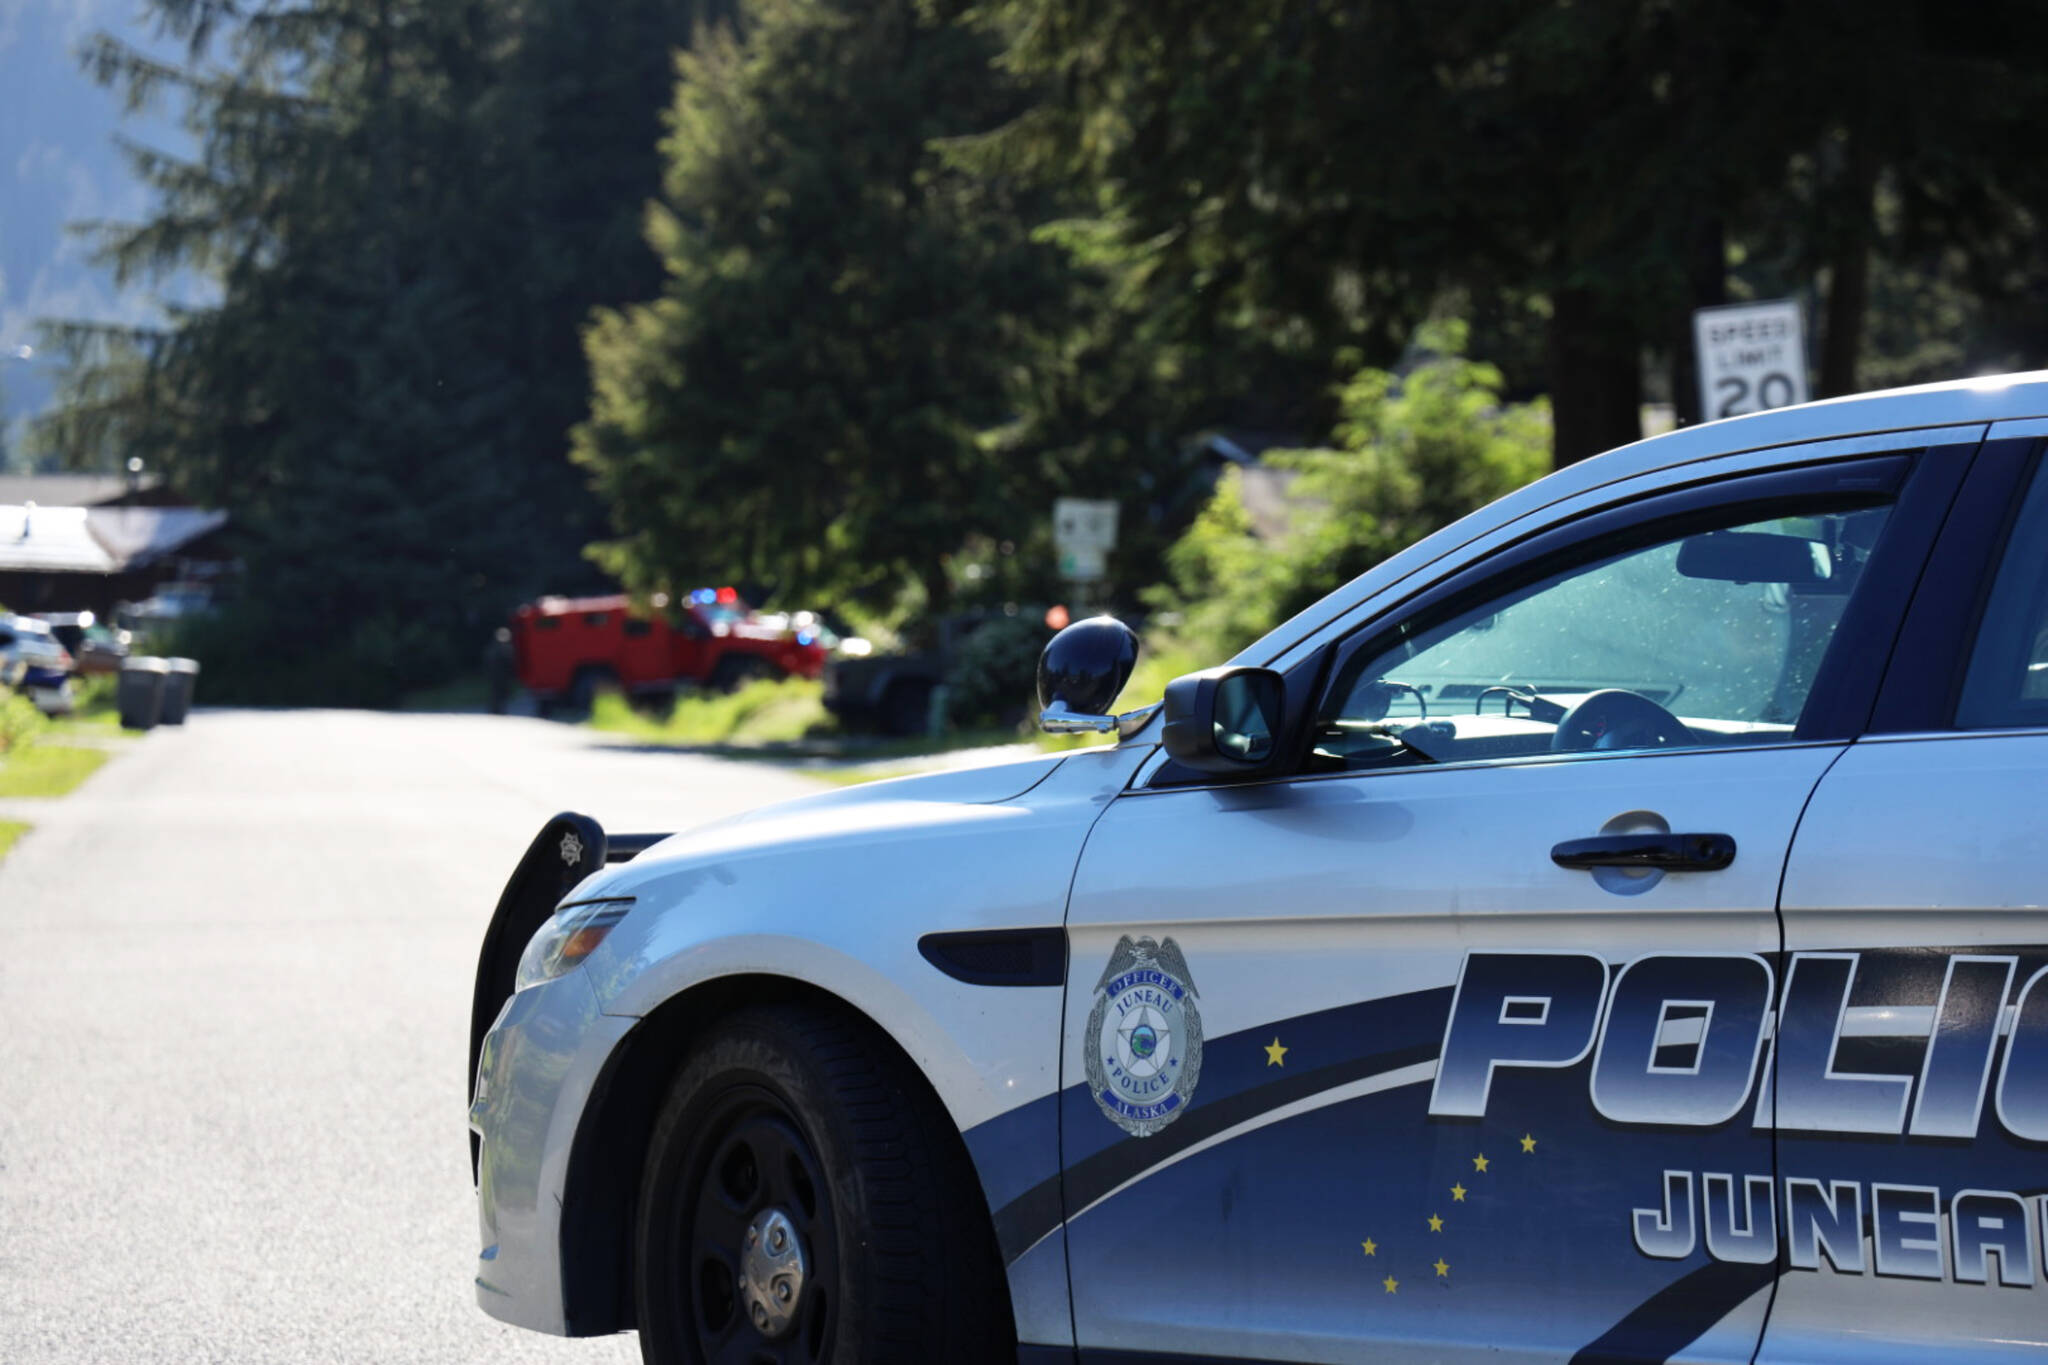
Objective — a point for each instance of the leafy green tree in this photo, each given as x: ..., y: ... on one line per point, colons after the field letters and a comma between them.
x: 814, y: 402
x: 1412, y: 453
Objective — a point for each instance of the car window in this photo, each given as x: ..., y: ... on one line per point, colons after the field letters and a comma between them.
x: 1704, y: 639
x: 2007, y: 681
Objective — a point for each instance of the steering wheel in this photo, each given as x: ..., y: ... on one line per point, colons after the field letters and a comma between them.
x: 1614, y: 718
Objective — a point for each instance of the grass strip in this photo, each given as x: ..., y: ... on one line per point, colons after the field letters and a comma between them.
x: 854, y: 777
x: 779, y: 711
x: 10, y: 830
x: 48, y: 770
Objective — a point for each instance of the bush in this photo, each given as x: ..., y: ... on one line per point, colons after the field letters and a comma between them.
x: 1412, y: 455
x: 20, y: 722
x: 96, y: 696
x: 252, y: 657
x: 993, y: 677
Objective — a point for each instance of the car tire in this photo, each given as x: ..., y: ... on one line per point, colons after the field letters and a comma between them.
x: 805, y: 1199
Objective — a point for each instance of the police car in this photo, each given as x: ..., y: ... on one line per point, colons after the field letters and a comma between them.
x: 1609, y: 930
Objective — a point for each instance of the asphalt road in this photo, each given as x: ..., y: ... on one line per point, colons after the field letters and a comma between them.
x: 234, y: 1004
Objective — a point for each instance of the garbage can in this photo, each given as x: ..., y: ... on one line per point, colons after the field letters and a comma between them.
x: 141, y: 695
x: 180, y: 677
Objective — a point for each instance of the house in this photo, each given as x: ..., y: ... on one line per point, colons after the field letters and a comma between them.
x: 83, y: 542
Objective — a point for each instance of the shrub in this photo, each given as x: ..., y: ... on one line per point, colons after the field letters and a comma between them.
x: 252, y: 656
x: 1412, y: 454
x: 20, y: 722
x: 992, y: 679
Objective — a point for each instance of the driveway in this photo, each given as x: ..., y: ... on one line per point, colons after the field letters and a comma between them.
x: 235, y: 971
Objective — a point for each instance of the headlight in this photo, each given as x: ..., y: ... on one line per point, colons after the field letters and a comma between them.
x: 564, y: 941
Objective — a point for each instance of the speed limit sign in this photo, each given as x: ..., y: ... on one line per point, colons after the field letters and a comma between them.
x: 1752, y: 356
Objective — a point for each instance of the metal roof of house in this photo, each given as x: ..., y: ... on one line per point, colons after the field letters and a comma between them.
x: 66, y: 490
x: 102, y: 540
x: 136, y: 535
x: 51, y: 540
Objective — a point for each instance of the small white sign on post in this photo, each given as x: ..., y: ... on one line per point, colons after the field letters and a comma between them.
x: 1083, y: 534
x: 1752, y: 356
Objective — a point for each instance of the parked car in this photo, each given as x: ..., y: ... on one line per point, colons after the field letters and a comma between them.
x: 95, y: 648
x: 171, y: 603
x: 890, y: 693
x: 1608, y: 929
x: 565, y: 649
x: 33, y: 663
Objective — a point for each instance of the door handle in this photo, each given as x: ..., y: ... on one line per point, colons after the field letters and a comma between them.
x: 1667, y: 852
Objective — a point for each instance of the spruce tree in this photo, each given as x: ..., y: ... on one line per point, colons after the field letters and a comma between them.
x: 811, y: 401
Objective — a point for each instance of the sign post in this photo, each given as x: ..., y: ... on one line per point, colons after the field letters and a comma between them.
x: 1083, y: 534
x: 1752, y: 356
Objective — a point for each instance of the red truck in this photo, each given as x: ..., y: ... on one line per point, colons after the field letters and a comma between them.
x: 567, y: 648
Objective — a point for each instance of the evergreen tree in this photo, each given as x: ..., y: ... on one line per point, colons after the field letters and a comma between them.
x: 1305, y: 176
x: 406, y: 220
x: 810, y: 402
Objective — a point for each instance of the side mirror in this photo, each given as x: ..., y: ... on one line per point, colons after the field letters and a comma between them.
x: 1225, y: 720
x: 1081, y: 672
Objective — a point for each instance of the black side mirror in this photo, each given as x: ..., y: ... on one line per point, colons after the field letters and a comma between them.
x: 1081, y: 672
x: 1226, y: 720
x: 1086, y: 665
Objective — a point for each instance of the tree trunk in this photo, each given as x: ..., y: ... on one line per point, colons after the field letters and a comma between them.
x: 1595, y: 379
x: 1849, y: 279
x: 1706, y: 286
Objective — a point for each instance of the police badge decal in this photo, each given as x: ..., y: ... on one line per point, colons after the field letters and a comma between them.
x: 1144, y: 1036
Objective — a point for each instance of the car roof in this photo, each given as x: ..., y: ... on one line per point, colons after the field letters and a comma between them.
x: 564, y: 606
x: 1963, y: 402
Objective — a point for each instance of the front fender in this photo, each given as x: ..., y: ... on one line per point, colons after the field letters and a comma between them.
x: 837, y: 896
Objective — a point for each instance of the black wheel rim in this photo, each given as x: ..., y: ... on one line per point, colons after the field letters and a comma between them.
x: 751, y: 1157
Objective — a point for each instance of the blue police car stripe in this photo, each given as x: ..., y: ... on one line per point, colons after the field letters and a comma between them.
x: 1677, y: 1315
x: 1889, y: 1057
x: 1229, y: 1097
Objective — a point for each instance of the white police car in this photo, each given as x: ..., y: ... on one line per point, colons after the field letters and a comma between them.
x: 1609, y: 930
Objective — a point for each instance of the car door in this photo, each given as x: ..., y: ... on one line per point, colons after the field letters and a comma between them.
x: 1912, y: 1067
x: 1357, y: 1065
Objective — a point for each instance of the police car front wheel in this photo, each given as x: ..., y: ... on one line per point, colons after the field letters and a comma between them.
x: 805, y: 1198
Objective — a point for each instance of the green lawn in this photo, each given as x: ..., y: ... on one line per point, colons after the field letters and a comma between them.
x: 97, y: 725
x: 764, y: 712
x: 48, y: 769
x: 10, y: 830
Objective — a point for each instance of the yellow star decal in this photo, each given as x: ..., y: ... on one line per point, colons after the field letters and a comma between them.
x: 1442, y: 1268
x: 1528, y: 1143
x: 1274, y: 1052
x: 1479, y: 1162
x: 1436, y: 1224
x: 1372, y: 1248
x: 1458, y: 1193
x: 1391, y: 1283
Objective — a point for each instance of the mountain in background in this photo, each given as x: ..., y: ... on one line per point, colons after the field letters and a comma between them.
x: 59, y: 165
